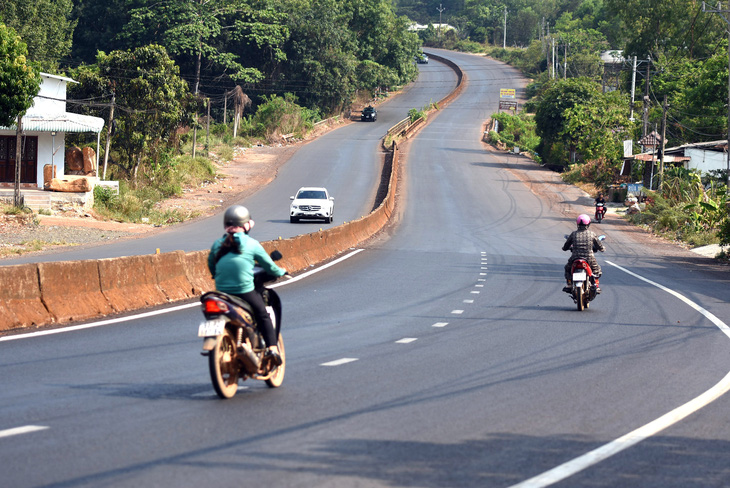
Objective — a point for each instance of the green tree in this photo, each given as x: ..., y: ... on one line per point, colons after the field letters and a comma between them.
x: 44, y: 25
x: 322, y: 54
x: 19, y: 81
x: 670, y: 27
x: 551, y: 115
x: 152, y: 101
x: 597, y: 129
x: 207, y: 29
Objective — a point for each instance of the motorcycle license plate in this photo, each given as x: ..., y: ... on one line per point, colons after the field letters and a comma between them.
x: 210, y: 328
x: 579, y: 276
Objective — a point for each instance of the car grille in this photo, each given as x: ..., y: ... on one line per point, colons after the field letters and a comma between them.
x: 309, y: 208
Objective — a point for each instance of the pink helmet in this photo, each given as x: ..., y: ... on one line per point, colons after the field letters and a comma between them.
x: 583, y: 219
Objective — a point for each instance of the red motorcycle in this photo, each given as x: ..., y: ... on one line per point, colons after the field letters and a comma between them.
x: 600, y: 212
x: 584, y: 284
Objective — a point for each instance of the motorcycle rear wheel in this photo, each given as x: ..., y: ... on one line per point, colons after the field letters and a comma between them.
x: 223, y: 366
x: 278, y: 377
x: 580, y: 299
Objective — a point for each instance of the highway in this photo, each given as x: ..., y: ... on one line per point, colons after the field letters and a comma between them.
x: 441, y: 354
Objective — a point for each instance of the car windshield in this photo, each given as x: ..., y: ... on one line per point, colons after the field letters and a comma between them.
x: 369, y: 109
x: 312, y: 195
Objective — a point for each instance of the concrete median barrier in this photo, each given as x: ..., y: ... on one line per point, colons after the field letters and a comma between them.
x: 130, y: 282
x: 196, y: 271
x: 171, y: 275
x: 20, y: 298
x: 71, y: 290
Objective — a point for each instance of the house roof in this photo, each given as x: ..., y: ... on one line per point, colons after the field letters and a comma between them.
x: 64, y: 122
x: 720, y: 145
x: 655, y: 157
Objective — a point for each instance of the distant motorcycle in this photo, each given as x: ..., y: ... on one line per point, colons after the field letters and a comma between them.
x: 600, y: 212
x: 583, y: 287
x: 232, y: 341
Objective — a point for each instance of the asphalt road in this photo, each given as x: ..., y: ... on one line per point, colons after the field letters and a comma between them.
x: 347, y: 161
x: 442, y: 355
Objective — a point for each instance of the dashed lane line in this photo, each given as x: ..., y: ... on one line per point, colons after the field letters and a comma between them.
x: 26, y: 429
x: 406, y: 340
x: 339, y: 362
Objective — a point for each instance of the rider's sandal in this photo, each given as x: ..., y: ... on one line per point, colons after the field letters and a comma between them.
x: 275, y: 357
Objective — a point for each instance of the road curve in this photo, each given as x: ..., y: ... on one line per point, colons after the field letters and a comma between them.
x: 443, y: 354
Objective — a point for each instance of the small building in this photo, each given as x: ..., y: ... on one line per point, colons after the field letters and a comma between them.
x: 702, y: 156
x: 45, y: 126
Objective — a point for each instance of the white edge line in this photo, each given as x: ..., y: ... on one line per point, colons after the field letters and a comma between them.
x: 162, y: 311
x: 22, y: 430
x: 595, y: 456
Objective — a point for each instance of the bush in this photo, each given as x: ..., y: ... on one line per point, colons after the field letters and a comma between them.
x: 516, y: 130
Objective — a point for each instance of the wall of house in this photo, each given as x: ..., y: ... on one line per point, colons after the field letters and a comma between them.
x: 705, y: 161
x: 53, y: 88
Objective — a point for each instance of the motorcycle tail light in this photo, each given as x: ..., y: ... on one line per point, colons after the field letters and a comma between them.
x: 215, y: 306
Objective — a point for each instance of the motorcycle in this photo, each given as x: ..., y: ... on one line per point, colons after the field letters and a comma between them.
x: 234, y: 346
x: 600, y: 211
x: 583, y: 285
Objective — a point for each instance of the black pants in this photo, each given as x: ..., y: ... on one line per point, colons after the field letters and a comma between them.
x: 263, y: 320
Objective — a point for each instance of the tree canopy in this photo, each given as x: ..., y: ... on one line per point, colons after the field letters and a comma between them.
x: 19, y: 81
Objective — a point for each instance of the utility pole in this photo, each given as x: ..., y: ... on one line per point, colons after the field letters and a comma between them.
x: 664, y: 142
x: 725, y: 13
x: 565, y: 61
x: 18, y: 160
x: 504, y: 35
x: 633, y: 90
x: 440, y: 9
x: 108, y: 136
x: 646, y: 96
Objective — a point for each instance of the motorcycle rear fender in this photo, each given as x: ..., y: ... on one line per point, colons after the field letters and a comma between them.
x: 209, y: 343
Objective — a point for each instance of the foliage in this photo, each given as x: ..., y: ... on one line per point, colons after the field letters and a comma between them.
x: 195, y: 29
x: 152, y: 103
x: 415, y: 114
x: 552, y: 112
x: 516, y: 130
x: 19, y: 81
x: 139, y: 204
x: 277, y: 116
x: 45, y: 27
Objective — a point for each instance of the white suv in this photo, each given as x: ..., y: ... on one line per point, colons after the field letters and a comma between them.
x: 312, y: 203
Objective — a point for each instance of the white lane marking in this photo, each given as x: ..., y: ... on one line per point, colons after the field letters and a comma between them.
x: 26, y: 429
x: 711, y: 317
x: 474, y: 292
x: 317, y: 270
x: 484, y: 267
x: 468, y: 301
x: 481, y: 279
x: 440, y: 324
x: 339, y: 362
x: 406, y: 340
x: 482, y: 274
x: 604, y: 452
x: 479, y: 286
x: 162, y: 311
x: 457, y: 312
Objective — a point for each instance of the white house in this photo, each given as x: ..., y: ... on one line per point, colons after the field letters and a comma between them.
x: 44, y: 126
x: 703, y: 156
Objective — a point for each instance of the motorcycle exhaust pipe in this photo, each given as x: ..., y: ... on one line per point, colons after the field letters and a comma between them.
x: 249, y: 359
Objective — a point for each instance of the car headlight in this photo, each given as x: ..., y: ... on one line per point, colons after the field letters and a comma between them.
x: 294, y: 207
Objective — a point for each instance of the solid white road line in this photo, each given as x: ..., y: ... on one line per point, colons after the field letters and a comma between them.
x: 604, y: 452
x: 27, y: 429
x: 163, y: 311
x: 339, y: 362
